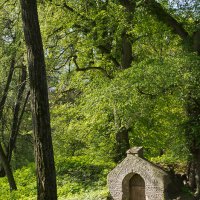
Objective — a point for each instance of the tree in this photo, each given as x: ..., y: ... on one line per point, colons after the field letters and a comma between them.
x: 3, y: 157
x: 191, y: 41
x: 10, y: 57
x: 17, y: 116
x: 46, y: 177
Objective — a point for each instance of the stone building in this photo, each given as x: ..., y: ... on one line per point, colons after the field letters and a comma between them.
x: 135, y: 178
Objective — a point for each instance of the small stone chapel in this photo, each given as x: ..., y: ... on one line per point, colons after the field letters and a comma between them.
x: 135, y: 178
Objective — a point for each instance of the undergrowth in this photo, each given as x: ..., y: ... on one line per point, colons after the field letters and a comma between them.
x: 78, y: 178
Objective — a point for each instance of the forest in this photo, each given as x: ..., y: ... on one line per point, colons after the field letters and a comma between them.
x: 83, y: 81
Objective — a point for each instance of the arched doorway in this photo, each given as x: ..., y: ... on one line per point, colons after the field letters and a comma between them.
x: 137, y: 188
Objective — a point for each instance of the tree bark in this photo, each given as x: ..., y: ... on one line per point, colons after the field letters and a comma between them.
x: 197, y: 172
x: 16, y: 116
x: 46, y: 176
x: 162, y: 15
x: 191, y: 175
x: 5, y: 164
x: 192, y: 134
x: 122, y: 144
x: 121, y: 138
x: 5, y: 93
x: 7, y: 169
x: 127, y: 54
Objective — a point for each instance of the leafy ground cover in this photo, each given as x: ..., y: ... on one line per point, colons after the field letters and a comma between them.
x: 77, y: 178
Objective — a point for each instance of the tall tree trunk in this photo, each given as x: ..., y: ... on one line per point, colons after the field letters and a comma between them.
x: 192, y: 134
x: 46, y: 176
x: 122, y: 144
x: 191, y: 175
x: 194, y: 173
x: 7, y: 169
x: 197, y: 172
x: 16, y: 115
x: 121, y: 139
x: 127, y: 54
x: 5, y: 93
x: 5, y: 164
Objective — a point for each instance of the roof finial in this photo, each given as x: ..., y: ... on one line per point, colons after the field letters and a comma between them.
x: 136, y: 151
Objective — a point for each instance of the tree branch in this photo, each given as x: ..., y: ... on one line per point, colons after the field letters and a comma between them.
x: 157, y: 10
x: 91, y: 68
x: 67, y: 7
x: 103, y: 49
x: 9, y: 79
x: 152, y: 96
x: 16, y: 115
x: 106, y: 51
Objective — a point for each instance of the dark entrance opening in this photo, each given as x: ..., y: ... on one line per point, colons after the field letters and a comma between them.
x: 137, y: 188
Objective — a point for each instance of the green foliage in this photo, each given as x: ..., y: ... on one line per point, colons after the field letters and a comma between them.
x: 148, y: 98
x: 26, y: 183
x: 87, y: 108
x: 77, y: 177
x: 100, y: 194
